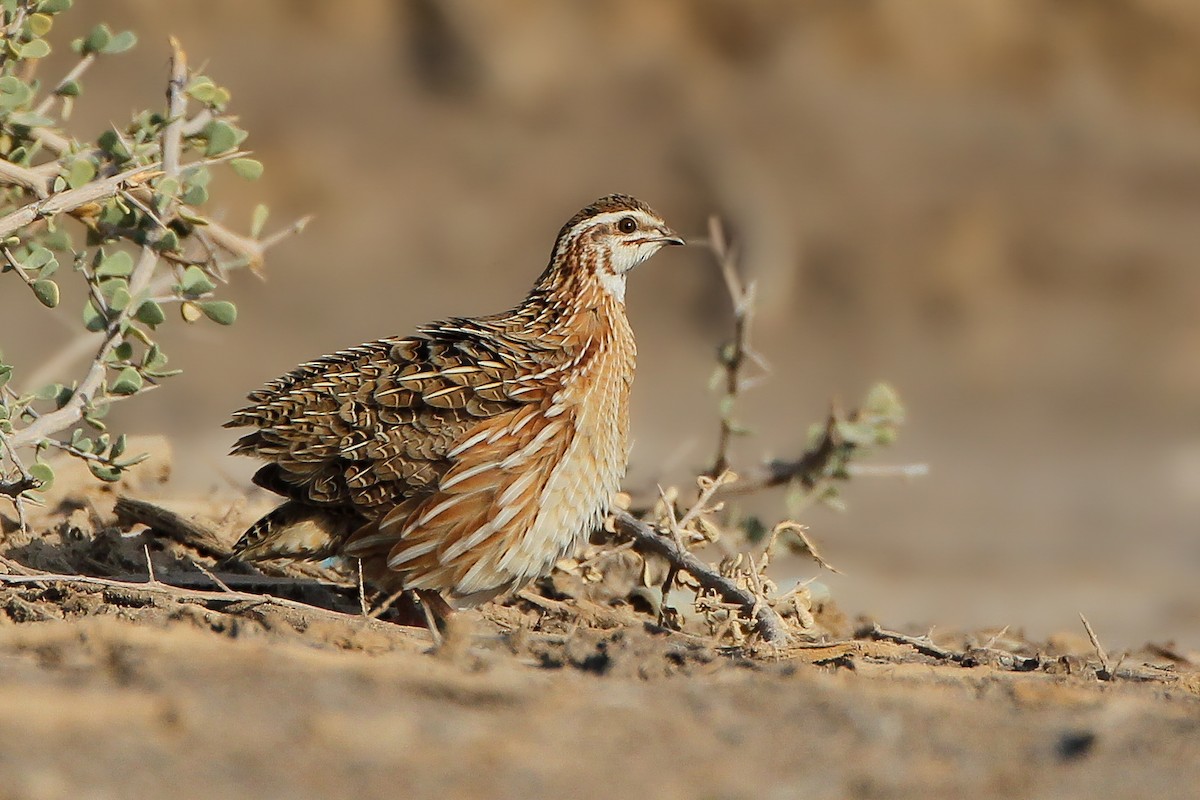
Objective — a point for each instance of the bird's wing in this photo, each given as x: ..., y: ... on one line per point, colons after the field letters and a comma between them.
x: 372, y: 426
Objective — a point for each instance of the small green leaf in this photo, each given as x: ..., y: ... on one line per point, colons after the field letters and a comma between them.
x: 69, y: 89
x: 38, y: 48
x: 120, y: 42
x: 47, y: 292
x: 194, y: 195
x: 30, y: 119
x: 128, y: 381
x: 222, y: 137
x: 188, y: 216
x: 221, y: 312
x: 58, y: 239
x: 120, y: 298
x: 169, y: 241
x: 80, y: 173
x: 117, y: 265
x: 109, y: 287
x: 883, y: 401
x: 6, y: 371
x: 40, y: 24
x: 258, y: 219
x: 49, y: 391
x: 14, y: 92
x: 126, y: 463
x: 195, y: 282
x: 93, y: 320
x: 247, y: 168
x: 104, y: 472
x: 39, y: 257
x: 113, y: 213
x: 198, y: 176
x: 168, y: 186
x: 63, y: 397
x: 123, y: 351
x: 54, y: 6
x: 111, y: 143
x: 44, y: 474
x: 98, y: 39
x: 201, y: 88
x: 150, y: 313
x: 154, y: 358
x: 118, y: 447
x: 81, y: 442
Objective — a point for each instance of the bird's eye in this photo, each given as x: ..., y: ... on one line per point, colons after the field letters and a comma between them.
x: 627, y: 225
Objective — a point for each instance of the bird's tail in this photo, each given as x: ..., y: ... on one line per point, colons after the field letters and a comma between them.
x: 298, y: 531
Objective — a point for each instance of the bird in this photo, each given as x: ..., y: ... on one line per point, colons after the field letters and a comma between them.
x: 463, y: 461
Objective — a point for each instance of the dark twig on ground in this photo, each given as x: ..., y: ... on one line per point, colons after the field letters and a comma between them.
x: 1105, y: 673
x: 922, y: 644
x: 171, y: 525
x: 648, y: 538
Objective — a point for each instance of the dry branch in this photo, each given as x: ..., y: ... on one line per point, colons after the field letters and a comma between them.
x: 171, y: 525
x: 767, y: 622
x: 26, y: 178
x: 156, y: 588
x: 735, y: 353
x: 72, y: 199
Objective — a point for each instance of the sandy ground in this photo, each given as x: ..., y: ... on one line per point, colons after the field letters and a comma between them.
x: 115, y: 687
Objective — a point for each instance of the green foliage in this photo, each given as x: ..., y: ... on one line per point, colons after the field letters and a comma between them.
x: 144, y: 246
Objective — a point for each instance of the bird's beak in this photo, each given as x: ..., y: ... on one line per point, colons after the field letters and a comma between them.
x: 668, y: 236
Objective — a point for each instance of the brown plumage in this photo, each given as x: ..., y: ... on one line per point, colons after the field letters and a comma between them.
x: 467, y: 459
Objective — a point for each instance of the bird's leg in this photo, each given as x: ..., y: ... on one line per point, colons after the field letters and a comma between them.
x: 437, y: 612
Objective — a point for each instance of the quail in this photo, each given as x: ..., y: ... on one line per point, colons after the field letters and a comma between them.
x: 464, y: 461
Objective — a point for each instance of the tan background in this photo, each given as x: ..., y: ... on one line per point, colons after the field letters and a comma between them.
x: 993, y: 204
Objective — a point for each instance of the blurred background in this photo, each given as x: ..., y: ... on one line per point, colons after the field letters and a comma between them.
x: 994, y: 204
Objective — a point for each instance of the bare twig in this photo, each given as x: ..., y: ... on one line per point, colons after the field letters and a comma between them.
x: 16, y: 175
x: 767, y: 622
x: 735, y: 352
x: 14, y: 490
x: 199, y: 538
x: 362, y: 589
x: 72, y: 199
x: 1105, y: 672
x: 182, y: 593
x: 250, y: 250
x: 76, y: 71
x: 922, y: 644
x: 386, y: 604
x: 172, y: 135
x: 153, y: 581
x: 917, y: 470
x: 22, y: 484
x: 212, y: 577
x: 801, y: 533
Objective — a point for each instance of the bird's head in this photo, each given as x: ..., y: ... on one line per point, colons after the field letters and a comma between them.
x: 610, y: 237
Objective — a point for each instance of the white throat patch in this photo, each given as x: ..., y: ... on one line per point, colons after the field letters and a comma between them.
x: 613, y: 283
